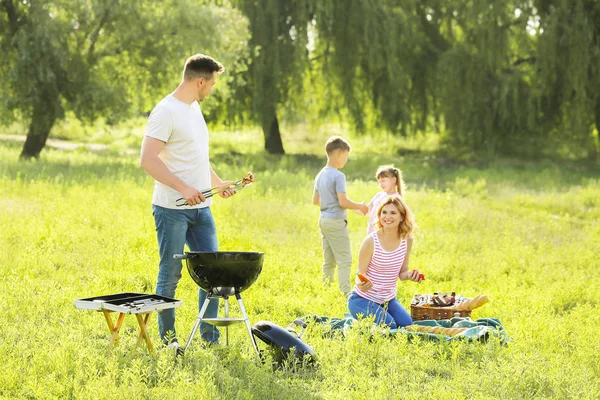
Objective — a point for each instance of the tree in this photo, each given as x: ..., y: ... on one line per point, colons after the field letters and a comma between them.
x: 484, y: 76
x: 518, y: 77
x: 355, y: 47
x: 105, y: 57
x: 376, y: 55
x: 508, y: 77
x: 277, y: 65
x: 568, y: 78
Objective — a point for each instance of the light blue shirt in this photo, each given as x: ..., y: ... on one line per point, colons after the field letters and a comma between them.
x: 328, y: 183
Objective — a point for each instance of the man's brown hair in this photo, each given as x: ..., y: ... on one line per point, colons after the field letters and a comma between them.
x: 201, y: 66
x: 336, y: 143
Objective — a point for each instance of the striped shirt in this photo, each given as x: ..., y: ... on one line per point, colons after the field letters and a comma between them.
x: 383, y: 271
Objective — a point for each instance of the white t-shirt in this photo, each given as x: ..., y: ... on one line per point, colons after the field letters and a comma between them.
x: 374, y: 205
x: 183, y: 129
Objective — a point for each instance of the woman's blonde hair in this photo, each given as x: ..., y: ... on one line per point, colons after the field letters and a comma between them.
x: 407, y: 225
x: 389, y: 171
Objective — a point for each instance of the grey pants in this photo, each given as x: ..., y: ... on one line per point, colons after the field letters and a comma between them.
x: 336, y: 250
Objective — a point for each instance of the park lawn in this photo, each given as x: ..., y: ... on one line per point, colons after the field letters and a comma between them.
x: 77, y: 223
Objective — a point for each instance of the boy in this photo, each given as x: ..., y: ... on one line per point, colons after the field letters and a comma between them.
x: 330, y: 195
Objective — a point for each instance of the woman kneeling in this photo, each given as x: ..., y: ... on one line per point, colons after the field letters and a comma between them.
x: 382, y: 260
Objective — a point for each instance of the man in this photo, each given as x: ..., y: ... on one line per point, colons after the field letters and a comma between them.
x: 175, y: 153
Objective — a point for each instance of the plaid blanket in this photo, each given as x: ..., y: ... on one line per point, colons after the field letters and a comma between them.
x: 477, y: 330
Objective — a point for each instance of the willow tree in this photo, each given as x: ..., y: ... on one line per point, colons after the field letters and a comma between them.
x: 492, y: 76
x: 517, y: 76
x: 108, y: 58
x: 502, y: 76
x: 568, y: 61
x: 381, y: 57
x: 277, y: 65
x: 370, y: 51
x: 484, y: 76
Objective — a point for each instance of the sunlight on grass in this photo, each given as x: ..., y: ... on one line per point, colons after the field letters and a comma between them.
x: 77, y: 224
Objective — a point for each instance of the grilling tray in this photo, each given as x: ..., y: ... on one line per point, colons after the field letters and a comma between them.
x: 128, y: 303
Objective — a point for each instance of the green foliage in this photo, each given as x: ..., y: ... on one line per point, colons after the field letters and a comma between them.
x: 489, y: 77
x: 77, y: 224
x: 106, y: 58
x: 516, y: 77
x: 279, y: 39
x: 273, y: 74
x: 569, y: 59
x: 373, y: 52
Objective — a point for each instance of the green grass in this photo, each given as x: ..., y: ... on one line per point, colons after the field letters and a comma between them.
x: 78, y: 223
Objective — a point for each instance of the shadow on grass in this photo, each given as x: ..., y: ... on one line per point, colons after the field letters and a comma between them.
x: 238, y: 375
x: 421, y: 169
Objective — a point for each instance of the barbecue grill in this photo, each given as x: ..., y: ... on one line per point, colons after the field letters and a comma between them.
x: 223, y: 274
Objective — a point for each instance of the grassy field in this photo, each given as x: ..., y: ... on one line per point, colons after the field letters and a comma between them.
x: 77, y: 223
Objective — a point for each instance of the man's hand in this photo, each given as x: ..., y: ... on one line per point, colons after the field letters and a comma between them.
x: 228, y: 192
x: 193, y: 196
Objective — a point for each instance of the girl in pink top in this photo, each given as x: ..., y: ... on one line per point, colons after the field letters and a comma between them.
x: 383, y: 259
x: 391, y: 184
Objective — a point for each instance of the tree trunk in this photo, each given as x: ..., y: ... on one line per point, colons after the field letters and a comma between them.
x: 594, y: 153
x: 44, y: 117
x: 273, y: 143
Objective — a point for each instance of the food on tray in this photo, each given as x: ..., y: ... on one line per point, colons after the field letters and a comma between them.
x: 442, y: 301
x: 473, y: 303
x: 449, y: 300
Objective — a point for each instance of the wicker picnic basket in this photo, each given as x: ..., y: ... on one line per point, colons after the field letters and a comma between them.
x: 420, y: 313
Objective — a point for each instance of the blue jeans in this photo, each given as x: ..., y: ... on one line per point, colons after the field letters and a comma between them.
x: 175, y: 228
x: 391, y: 313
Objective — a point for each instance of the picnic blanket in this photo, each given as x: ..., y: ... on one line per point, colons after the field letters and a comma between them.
x: 477, y: 330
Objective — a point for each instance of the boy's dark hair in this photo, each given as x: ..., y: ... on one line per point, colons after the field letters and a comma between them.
x: 201, y: 66
x: 336, y: 143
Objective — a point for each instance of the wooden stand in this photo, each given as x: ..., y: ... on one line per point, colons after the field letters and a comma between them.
x: 115, y: 328
x: 139, y: 304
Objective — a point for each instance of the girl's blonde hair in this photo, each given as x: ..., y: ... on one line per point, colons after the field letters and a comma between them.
x: 407, y: 225
x: 389, y: 171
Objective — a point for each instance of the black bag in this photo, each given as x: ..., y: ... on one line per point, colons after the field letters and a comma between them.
x: 283, y: 343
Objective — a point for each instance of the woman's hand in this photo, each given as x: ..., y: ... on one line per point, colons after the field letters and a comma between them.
x: 364, y: 286
x: 415, y: 276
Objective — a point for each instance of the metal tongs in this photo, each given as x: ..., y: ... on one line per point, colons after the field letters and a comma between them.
x: 237, y: 186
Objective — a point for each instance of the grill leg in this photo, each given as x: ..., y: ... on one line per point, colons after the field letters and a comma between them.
x: 226, y: 303
x: 198, y: 320
x: 239, y: 300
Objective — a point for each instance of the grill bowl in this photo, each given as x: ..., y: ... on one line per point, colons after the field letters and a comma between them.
x: 224, y: 271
